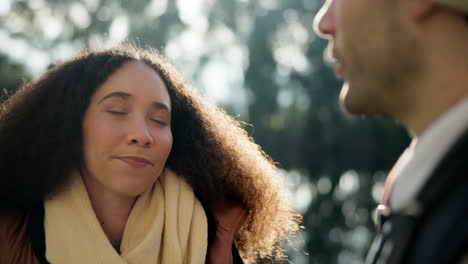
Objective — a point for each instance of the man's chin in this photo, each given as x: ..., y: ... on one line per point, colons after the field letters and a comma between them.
x: 354, y: 104
x: 344, y: 99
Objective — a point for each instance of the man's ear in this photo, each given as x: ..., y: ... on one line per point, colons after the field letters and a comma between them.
x: 421, y: 9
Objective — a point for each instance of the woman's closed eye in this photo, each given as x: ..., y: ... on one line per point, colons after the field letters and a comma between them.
x: 159, y: 122
x: 117, y: 112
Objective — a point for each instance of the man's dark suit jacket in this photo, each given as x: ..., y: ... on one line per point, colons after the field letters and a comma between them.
x: 433, y: 228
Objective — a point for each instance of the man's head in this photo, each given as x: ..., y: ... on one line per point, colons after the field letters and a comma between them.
x: 381, y: 50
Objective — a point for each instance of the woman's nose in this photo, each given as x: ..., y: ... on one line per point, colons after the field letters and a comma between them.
x: 139, y: 134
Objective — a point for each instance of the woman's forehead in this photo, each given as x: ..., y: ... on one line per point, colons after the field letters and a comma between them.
x: 136, y: 79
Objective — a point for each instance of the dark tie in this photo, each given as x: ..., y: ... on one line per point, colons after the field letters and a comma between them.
x: 383, y: 210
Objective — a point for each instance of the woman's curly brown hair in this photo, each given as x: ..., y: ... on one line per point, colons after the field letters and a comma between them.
x: 41, y: 142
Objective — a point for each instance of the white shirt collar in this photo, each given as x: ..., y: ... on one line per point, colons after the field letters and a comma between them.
x: 417, y: 164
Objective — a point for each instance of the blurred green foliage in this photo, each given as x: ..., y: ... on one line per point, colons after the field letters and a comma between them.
x: 290, y: 94
x: 12, y: 75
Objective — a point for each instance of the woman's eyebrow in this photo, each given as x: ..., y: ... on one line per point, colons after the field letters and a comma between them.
x: 161, y: 106
x: 156, y: 105
x: 122, y: 95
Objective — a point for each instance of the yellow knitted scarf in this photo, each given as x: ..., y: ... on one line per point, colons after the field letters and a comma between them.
x: 166, y: 225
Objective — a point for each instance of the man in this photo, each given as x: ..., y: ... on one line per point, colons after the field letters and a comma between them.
x: 408, y: 60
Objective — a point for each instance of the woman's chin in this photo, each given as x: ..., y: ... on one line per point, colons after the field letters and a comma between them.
x: 134, y: 189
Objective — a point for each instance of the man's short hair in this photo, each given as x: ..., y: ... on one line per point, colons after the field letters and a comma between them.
x: 457, y: 5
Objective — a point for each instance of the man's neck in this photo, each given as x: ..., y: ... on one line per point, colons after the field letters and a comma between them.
x: 443, y: 43
x: 426, y: 113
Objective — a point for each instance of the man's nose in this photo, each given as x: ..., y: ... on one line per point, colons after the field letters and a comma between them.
x: 324, y: 24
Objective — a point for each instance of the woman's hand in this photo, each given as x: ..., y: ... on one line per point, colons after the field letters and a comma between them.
x: 229, y: 216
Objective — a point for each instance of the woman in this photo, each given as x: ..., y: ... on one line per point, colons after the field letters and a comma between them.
x: 111, y: 157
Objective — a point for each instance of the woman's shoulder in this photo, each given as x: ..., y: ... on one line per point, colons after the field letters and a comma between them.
x: 13, y: 222
x: 15, y: 243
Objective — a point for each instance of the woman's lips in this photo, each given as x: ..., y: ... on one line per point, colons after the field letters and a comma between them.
x: 136, y: 162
